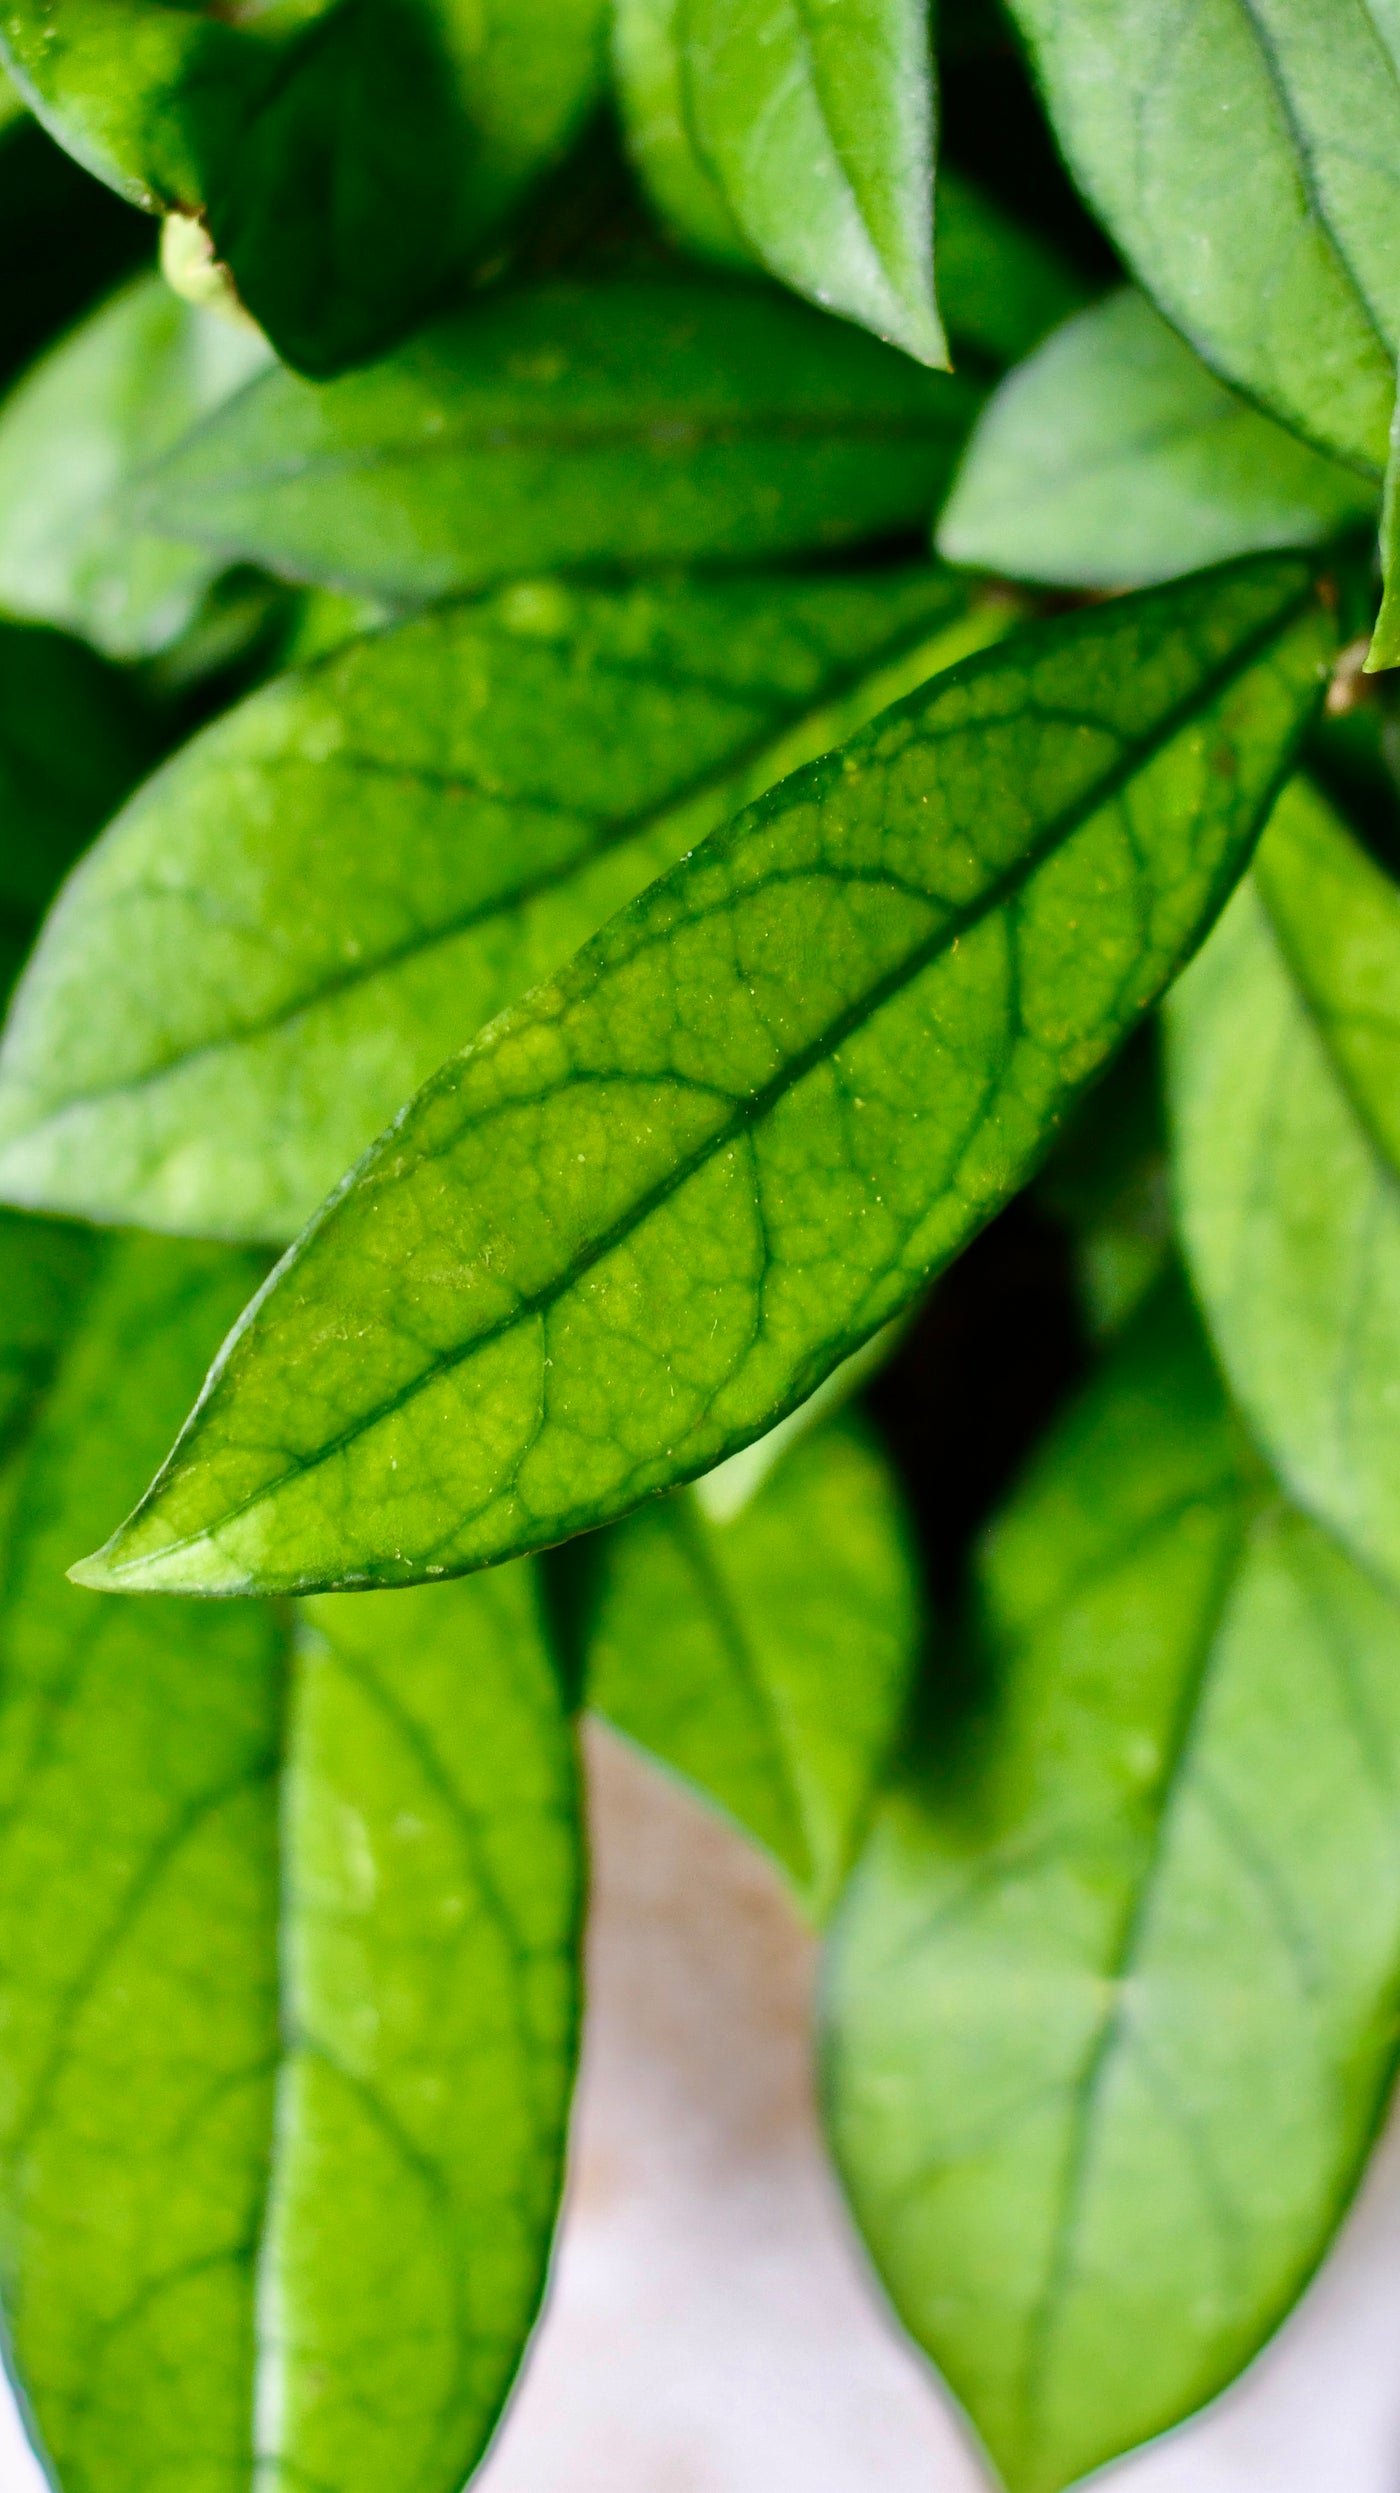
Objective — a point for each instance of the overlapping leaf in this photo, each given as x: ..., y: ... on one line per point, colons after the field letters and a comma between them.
x: 631, y: 422
x: 345, y: 154
x: 1247, y: 162
x: 287, y: 1992
x: 73, y: 440
x: 766, y: 1656
x: 338, y: 883
x: 806, y: 136
x: 1113, y: 458
x: 1111, y: 2018
x: 652, y: 1206
x: 1286, y: 1071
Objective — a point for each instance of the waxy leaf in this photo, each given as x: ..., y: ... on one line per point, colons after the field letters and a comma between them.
x: 999, y: 287
x: 1111, y: 2011
x: 658, y: 122
x: 338, y: 883
x: 287, y: 1993
x: 1247, y: 162
x: 809, y: 134
x: 1113, y: 458
x: 767, y: 1657
x: 74, y: 438
x: 644, y: 1214
x: 637, y: 422
x: 1285, y: 1062
x: 344, y: 154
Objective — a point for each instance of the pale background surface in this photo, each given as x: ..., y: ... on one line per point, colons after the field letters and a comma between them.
x: 711, y: 2328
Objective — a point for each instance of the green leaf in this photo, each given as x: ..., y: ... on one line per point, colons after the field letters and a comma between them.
x: 1000, y: 287
x: 287, y: 1998
x: 1110, y: 2014
x: 1285, y: 1064
x: 638, y: 422
x: 644, y: 1214
x: 806, y: 135
x: 1384, y: 651
x: 72, y: 741
x: 345, y: 154
x: 766, y: 1656
x: 1107, y: 1181
x: 1246, y: 161
x: 340, y: 881
x: 1113, y: 458
x: 74, y: 438
x: 653, y: 91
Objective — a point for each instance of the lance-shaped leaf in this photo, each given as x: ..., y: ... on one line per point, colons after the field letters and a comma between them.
x: 1285, y: 1064
x: 806, y: 136
x: 1000, y: 288
x: 344, y: 158
x: 74, y: 437
x: 1384, y: 651
x: 338, y: 883
x: 1113, y: 458
x: 766, y: 1657
x: 1110, y: 2016
x: 1247, y: 162
x: 645, y: 1213
x: 287, y: 1994
x: 634, y: 422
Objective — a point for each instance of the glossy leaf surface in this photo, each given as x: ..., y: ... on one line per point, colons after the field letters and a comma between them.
x: 648, y: 1210
x: 1247, y: 163
x: 817, y: 127
x: 287, y: 1995
x: 345, y: 154
x: 634, y: 422
x: 74, y: 438
x: 1111, y: 2011
x: 767, y: 1658
x: 999, y: 287
x: 339, y: 882
x: 1114, y: 458
x: 1286, y: 1076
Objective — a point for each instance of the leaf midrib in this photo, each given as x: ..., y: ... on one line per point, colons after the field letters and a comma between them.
x: 752, y: 1110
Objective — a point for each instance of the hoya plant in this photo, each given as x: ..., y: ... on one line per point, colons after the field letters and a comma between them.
x: 700, y: 861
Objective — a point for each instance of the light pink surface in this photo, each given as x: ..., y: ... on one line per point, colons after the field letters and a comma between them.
x: 712, y: 2328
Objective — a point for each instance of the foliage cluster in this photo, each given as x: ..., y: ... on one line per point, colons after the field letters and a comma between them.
x: 504, y: 812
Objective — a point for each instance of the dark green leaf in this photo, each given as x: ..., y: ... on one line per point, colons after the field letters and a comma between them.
x: 809, y: 134
x: 339, y: 882
x: 74, y: 438
x: 346, y: 154
x: 633, y: 422
x: 1001, y: 286
x: 1286, y: 1096
x: 1114, y: 458
x: 1111, y: 2016
x: 1107, y: 1181
x: 648, y: 1210
x: 72, y: 741
x: 287, y: 1997
x: 766, y: 1654
x: 1247, y: 162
